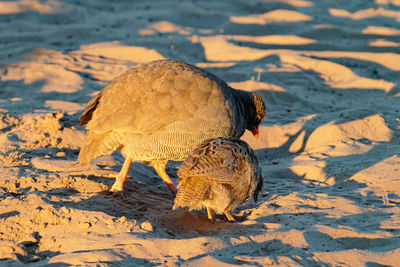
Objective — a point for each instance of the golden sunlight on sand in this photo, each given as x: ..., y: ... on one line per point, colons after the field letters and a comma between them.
x: 328, y: 147
x: 276, y: 16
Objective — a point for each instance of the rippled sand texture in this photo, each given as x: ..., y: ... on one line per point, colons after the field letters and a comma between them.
x: 329, y: 145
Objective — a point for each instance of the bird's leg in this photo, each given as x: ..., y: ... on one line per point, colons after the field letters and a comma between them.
x: 229, y: 216
x: 121, y: 177
x: 160, y: 169
x: 209, y: 214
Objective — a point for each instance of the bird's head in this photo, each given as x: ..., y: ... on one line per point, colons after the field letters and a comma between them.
x: 256, y: 115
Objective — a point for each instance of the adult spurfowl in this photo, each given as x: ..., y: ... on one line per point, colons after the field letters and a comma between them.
x: 220, y: 174
x: 160, y: 111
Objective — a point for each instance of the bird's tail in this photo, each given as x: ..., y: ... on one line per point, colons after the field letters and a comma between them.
x: 190, y: 193
x: 97, y: 145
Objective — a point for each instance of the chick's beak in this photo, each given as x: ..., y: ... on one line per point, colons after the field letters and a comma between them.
x: 255, y: 132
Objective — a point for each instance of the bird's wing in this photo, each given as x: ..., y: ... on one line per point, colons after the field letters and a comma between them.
x: 220, y: 164
x: 190, y: 193
x: 151, y: 97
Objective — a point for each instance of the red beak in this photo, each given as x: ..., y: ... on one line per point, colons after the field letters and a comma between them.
x: 255, y: 132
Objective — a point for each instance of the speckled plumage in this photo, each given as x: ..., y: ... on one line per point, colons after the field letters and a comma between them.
x: 220, y: 174
x: 161, y: 110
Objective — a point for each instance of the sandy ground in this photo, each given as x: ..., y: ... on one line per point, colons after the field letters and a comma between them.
x: 329, y: 145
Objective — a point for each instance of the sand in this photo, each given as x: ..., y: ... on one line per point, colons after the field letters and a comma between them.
x: 329, y: 146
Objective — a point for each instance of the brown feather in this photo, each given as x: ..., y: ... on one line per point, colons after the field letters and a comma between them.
x: 90, y: 107
x: 190, y: 193
x: 227, y: 167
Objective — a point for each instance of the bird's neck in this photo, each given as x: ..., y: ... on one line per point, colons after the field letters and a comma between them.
x: 243, y: 101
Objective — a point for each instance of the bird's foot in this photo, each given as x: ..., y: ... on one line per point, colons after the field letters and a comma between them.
x: 173, y: 190
x: 229, y: 216
x: 117, y: 189
x: 118, y: 194
x: 209, y: 215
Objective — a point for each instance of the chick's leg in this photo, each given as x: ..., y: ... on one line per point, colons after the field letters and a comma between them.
x: 229, y: 216
x: 209, y: 214
x: 118, y: 185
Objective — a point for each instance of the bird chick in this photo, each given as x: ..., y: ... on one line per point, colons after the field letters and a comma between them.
x: 220, y: 174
